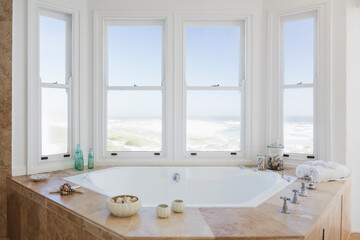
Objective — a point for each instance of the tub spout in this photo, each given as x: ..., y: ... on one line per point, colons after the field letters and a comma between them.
x: 176, y: 177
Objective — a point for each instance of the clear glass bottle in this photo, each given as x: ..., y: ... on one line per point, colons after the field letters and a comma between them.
x: 261, y: 162
x: 275, y: 153
x: 76, y: 155
x: 91, y: 159
x: 80, y: 162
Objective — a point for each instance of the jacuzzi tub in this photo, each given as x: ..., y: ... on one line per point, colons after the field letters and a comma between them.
x: 198, y: 186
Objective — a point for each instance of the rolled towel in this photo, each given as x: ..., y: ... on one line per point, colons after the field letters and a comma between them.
x: 302, y: 170
x: 332, y: 171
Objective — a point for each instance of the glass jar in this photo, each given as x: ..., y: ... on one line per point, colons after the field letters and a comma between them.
x: 261, y: 162
x: 275, y: 153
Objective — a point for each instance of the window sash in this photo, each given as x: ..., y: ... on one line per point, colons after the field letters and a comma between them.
x: 283, y: 86
x: 69, y: 55
x: 133, y: 22
x: 241, y: 86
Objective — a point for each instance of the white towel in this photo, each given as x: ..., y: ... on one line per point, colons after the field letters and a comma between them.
x: 302, y: 170
x: 321, y: 170
x: 332, y: 171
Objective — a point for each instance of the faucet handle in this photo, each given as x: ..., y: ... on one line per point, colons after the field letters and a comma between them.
x: 295, y: 199
x: 285, y: 208
x: 311, y: 185
x: 303, y: 192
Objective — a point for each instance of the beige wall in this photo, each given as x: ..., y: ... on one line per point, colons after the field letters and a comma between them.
x: 5, y: 105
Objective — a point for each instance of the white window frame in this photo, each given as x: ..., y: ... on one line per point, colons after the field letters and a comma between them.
x: 213, y: 157
x: 242, y: 79
x: 107, y: 88
x: 37, y: 162
x: 102, y: 21
x: 174, y: 135
x: 314, y: 85
x: 321, y: 85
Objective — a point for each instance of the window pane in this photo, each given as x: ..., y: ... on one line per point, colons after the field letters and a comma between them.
x: 212, y: 56
x: 298, y: 121
x: 299, y: 51
x: 54, y: 125
x: 52, y: 44
x: 134, y: 121
x: 213, y: 121
x: 134, y: 56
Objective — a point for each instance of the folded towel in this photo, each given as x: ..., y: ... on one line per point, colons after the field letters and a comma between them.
x: 321, y: 170
x: 302, y: 170
x: 333, y: 171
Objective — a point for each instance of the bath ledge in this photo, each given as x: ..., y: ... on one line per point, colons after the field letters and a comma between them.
x: 32, y: 211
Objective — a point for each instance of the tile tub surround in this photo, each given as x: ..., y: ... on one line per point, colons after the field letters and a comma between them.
x: 5, y: 104
x: 36, y: 213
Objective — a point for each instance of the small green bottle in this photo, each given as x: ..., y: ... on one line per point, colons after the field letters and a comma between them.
x: 76, y: 155
x: 80, y: 162
x: 91, y: 159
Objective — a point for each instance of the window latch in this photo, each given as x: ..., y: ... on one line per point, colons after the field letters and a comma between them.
x: 55, y: 82
x: 44, y: 158
x: 215, y: 85
x: 242, y: 82
x: 135, y: 85
x: 299, y: 83
x: 193, y: 154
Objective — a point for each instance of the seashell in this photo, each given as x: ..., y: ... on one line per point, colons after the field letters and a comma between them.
x: 134, y: 199
x: 112, y: 200
x: 119, y: 200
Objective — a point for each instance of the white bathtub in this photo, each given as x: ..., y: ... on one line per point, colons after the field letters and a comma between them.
x: 198, y: 186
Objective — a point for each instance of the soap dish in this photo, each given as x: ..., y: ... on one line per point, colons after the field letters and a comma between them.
x: 39, y: 177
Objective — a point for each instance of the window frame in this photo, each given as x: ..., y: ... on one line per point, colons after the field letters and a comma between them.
x: 174, y: 89
x: 189, y: 22
x: 36, y: 161
x: 282, y: 86
x: 101, y: 36
x: 323, y: 88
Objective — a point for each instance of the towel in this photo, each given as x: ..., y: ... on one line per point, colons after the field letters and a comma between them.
x: 322, y: 171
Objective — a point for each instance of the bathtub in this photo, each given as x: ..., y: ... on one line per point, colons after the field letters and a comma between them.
x: 197, y: 186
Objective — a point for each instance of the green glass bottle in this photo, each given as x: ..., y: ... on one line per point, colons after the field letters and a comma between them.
x: 91, y: 159
x: 80, y: 162
x: 76, y: 155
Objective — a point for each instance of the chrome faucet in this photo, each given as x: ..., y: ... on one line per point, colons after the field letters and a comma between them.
x: 176, y: 177
x: 311, y: 185
x: 295, y: 199
x: 303, y: 192
x: 285, y: 208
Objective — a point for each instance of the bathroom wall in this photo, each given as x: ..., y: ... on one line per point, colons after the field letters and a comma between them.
x: 5, y: 103
x: 352, y: 106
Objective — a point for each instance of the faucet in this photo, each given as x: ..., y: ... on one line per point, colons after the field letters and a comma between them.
x: 285, y: 208
x: 176, y: 177
x: 303, y: 192
x: 311, y: 185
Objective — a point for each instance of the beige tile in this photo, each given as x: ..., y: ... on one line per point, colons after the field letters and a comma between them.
x: 245, y: 223
x: 104, y: 218
x: 60, y: 210
x: 14, y: 216
x: 33, y: 220
x: 59, y: 228
x: 5, y: 10
x: 189, y: 224
x: 5, y: 152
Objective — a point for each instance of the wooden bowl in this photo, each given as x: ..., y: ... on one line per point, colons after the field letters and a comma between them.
x: 123, y: 209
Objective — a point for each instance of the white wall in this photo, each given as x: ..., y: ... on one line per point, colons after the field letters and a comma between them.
x: 353, y: 108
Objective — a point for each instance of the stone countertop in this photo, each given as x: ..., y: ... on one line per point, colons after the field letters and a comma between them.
x: 262, y: 222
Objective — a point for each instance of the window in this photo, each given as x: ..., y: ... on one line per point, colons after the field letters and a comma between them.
x: 299, y: 68
x: 55, y: 76
x: 134, y: 87
x: 214, y: 87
